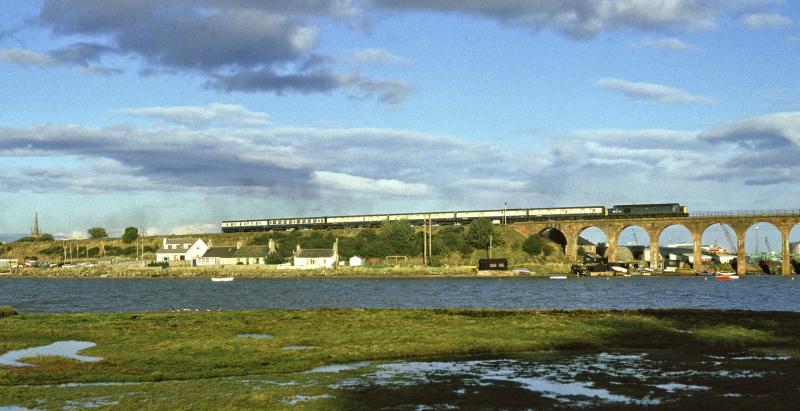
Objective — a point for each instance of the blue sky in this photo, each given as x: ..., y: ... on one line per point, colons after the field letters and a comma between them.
x: 176, y: 115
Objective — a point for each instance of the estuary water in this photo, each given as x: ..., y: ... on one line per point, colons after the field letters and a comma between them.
x: 762, y: 293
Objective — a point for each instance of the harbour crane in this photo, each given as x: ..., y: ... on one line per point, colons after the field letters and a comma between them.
x: 728, y: 238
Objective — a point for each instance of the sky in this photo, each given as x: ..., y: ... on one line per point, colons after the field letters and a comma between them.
x: 177, y: 115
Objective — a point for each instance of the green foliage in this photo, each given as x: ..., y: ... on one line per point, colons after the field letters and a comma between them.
x: 275, y: 258
x: 286, y: 241
x: 481, y: 234
x: 96, y: 233
x: 162, y: 264
x: 452, y: 239
x: 399, y: 236
x: 130, y: 235
x: 30, y: 239
x: 54, y: 250
x: 534, y: 245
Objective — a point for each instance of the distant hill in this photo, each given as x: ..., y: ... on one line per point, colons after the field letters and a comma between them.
x: 8, y: 237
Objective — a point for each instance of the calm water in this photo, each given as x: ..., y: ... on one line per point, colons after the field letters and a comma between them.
x: 767, y: 293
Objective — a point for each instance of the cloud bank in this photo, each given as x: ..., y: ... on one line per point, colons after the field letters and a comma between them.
x: 652, y: 92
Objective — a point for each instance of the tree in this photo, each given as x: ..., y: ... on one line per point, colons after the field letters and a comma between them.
x: 481, y: 234
x: 533, y: 245
x: 96, y: 233
x: 399, y: 235
x: 130, y: 235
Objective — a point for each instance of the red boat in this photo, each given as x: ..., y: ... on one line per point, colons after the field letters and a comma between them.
x: 726, y: 276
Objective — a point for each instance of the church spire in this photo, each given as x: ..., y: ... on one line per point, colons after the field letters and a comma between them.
x: 35, y: 229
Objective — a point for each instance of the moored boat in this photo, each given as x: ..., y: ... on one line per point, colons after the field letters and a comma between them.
x: 221, y: 279
x: 726, y: 276
x: 558, y: 277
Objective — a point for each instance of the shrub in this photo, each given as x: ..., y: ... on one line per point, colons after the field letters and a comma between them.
x: 7, y: 311
x: 274, y: 258
x: 162, y: 264
x: 534, y: 245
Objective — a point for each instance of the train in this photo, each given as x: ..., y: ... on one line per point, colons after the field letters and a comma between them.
x: 510, y: 215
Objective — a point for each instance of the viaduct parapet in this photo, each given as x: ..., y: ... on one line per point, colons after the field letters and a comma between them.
x: 696, y: 224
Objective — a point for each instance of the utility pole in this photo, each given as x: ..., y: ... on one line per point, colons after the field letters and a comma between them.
x: 430, y: 237
x: 505, y: 213
x: 490, y: 245
x: 425, y: 243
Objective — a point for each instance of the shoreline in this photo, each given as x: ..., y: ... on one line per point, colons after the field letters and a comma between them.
x: 102, y: 272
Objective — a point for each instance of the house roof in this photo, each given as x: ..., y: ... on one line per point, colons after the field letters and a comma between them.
x: 172, y: 251
x: 220, y: 252
x: 315, y: 253
x: 251, y: 251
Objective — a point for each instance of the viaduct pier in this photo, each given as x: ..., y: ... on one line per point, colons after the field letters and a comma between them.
x: 696, y: 223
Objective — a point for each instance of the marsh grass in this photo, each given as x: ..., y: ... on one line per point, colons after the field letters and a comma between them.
x: 194, y: 360
x: 7, y: 311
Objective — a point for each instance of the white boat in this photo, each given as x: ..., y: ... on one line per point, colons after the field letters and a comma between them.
x: 619, y: 269
x: 221, y: 279
x: 558, y: 277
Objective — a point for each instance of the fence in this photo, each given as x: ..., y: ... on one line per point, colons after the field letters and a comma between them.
x: 747, y: 213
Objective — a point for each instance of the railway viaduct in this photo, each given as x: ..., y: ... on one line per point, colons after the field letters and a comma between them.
x: 695, y: 223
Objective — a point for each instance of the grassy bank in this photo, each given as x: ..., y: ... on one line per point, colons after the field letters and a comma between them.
x: 191, y: 357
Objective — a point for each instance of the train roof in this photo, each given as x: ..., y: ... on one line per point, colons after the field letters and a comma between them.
x: 646, y: 205
x: 420, y: 212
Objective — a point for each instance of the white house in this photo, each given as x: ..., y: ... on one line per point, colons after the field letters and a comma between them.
x: 316, y: 257
x: 238, y: 255
x: 356, y: 261
x: 181, y: 249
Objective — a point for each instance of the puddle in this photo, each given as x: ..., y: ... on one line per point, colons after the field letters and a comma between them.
x: 298, y: 347
x: 256, y: 336
x: 67, y: 349
x: 303, y: 398
x: 556, y: 380
x: 673, y: 387
x: 339, y: 367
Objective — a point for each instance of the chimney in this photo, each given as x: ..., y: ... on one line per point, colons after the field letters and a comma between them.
x: 165, y: 242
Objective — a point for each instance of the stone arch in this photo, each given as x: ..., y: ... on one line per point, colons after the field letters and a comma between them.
x: 676, y: 244
x: 722, y: 244
x: 592, y: 233
x: 793, y: 240
x: 555, y: 235
x: 628, y: 251
x: 763, y: 242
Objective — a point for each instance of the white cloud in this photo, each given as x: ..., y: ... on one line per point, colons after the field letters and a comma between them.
x: 25, y: 57
x: 379, y: 56
x: 652, y: 92
x: 195, y: 116
x: 193, y: 228
x: 766, y: 21
x: 578, y: 18
x: 347, y: 182
x: 668, y: 44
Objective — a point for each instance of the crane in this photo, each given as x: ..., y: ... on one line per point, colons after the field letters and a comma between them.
x: 728, y: 238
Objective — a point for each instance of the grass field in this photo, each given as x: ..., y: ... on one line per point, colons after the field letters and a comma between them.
x: 197, y: 359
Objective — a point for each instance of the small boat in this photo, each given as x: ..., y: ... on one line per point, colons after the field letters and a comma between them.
x: 726, y: 276
x: 619, y: 269
x: 221, y: 279
x: 558, y: 277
